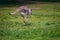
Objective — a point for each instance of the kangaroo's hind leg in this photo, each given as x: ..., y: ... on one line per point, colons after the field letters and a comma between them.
x: 25, y: 17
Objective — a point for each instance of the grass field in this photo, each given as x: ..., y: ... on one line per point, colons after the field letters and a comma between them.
x: 44, y: 23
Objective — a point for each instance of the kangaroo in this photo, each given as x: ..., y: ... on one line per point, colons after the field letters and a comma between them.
x: 24, y: 12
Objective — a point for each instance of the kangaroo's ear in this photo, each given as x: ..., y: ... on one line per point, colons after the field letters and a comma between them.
x: 31, y: 9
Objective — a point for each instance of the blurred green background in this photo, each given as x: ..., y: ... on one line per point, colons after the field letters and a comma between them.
x: 44, y: 23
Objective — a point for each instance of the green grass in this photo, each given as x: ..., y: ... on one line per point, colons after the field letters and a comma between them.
x: 44, y: 23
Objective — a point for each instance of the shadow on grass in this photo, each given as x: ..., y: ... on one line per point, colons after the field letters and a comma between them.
x: 50, y: 23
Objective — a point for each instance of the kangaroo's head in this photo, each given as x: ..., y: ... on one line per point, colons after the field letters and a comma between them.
x: 30, y: 11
